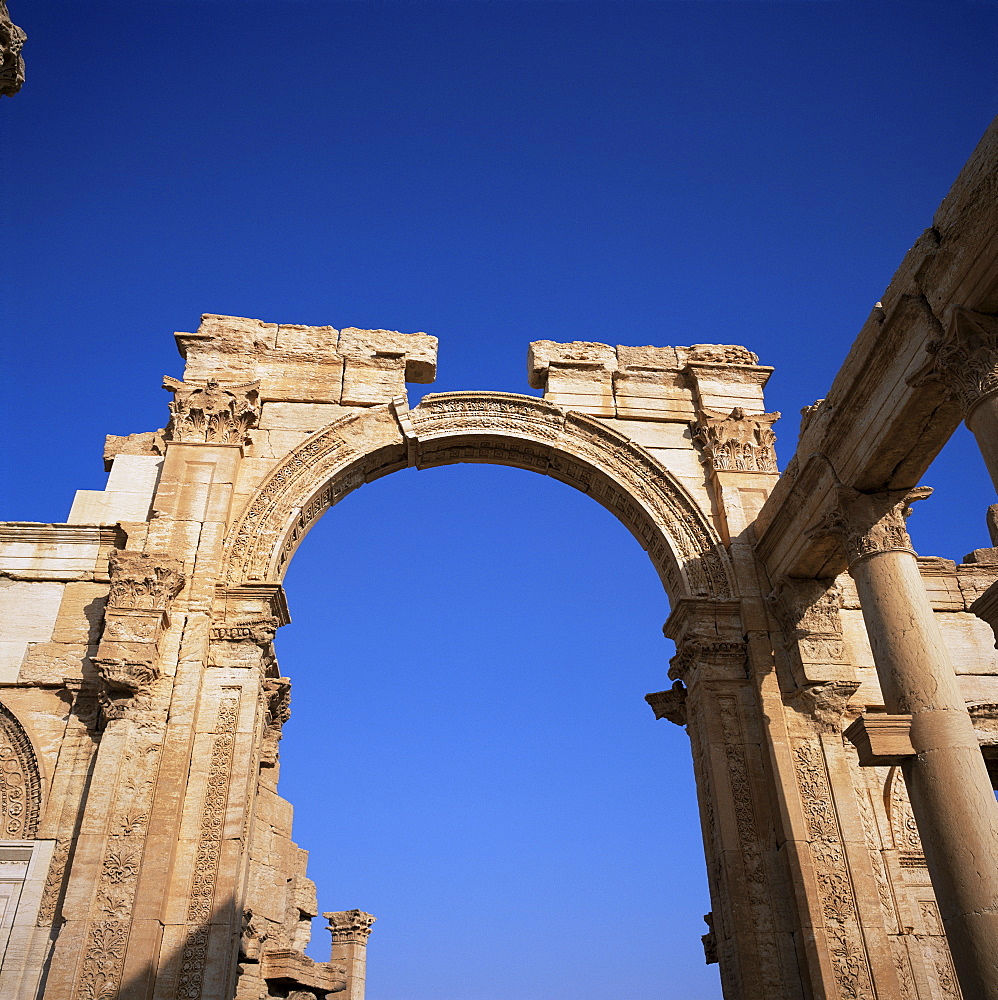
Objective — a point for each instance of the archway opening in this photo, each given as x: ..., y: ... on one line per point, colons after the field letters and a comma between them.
x: 470, y: 755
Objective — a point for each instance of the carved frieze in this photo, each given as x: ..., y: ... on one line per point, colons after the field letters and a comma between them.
x: 965, y: 360
x: 205, y: 875
x: 736, y: 441
x: 868, y: 523
x: 211, y: 412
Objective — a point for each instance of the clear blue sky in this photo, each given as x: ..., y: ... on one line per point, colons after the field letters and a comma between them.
x: 469, y: 754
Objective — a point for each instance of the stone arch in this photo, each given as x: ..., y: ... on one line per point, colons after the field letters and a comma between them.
x: 482, y: 427
x: 20, y: 780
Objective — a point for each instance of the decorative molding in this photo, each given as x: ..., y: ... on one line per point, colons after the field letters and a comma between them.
x: 697, y: 651
x: 52, y: 890
x: 20, y: 780
x: 808, y: 610
x: 350, y: 926
x: 12, y: 39
x: 965, y: 359
x: 212, y: 413
x: 117, y: 881
x: 202, y: 891
x: 670, y: 704
x: 870, y: 523
x: 844, y: 938
x: 881, y: 740
x: 261, y: 631
x: 499, y: 428
x: 736, y: 441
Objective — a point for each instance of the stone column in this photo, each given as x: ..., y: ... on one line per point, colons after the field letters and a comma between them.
x: 948, y: 783
x: 350, y: 930
x: 965, y: 360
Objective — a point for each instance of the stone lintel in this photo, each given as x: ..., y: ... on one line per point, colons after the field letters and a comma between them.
x: 881, y: 740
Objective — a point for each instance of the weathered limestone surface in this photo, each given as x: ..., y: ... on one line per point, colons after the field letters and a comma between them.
x: 840, y: 693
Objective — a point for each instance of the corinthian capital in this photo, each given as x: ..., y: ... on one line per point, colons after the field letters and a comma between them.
x: 211, y: 412
x: 143, y: 581
x: 736, y: 441
x: 868, y: 523
x: 350, y: 926
x: 965, y: 360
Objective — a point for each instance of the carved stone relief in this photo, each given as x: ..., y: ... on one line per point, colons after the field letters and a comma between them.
x: 965, y: 360
x: 143, y: 586
x: 211, y: 412
x: 871, y: 522
x: 515, y: 430
x: 20, y: 784
x: 736, y: 441
x: 202, y: 888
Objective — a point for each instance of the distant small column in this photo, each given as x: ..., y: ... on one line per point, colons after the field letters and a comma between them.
x: 947, y: 780
x: 350, y: 930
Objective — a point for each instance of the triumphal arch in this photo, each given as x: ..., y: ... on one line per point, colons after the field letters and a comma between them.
x: 840, y: 692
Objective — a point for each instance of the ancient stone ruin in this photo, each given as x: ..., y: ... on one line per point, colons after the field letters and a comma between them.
x: 840, y: 692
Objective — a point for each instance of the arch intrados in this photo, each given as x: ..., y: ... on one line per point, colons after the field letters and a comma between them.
x: 486, y: 428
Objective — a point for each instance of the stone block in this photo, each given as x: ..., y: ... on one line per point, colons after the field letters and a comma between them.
x: 28, y: 609
x: 81, y: 613
x: 135, y: 474
x: 367, y: 381
x: 653, y: 395
x: 299, y: 416
x: 881, y: 740
x: 418, y: 351
x: 50, y: 663
x: 319, y: 340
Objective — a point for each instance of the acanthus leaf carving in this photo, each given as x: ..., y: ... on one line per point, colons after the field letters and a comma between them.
x: 212, y: 412
x: 736, y: 441
x: 964, y: 359
x: 143, y: 580
x: 868, y: 523
x: 350, y: 926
